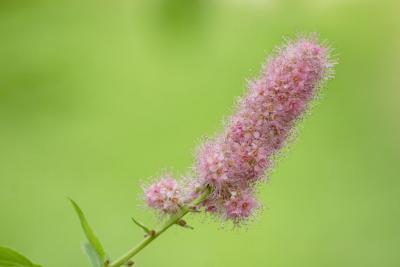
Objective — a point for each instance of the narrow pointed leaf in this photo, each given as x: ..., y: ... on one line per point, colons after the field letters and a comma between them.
x: 92, y: 254
x: 11, y: 258
x: 144, y: 228
x: 91, y: 237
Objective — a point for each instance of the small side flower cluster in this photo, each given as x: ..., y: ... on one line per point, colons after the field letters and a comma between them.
x: 165, y: 195
x: 233, y: 162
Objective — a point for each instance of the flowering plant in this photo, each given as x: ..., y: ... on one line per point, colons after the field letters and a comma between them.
x: 231, y: 165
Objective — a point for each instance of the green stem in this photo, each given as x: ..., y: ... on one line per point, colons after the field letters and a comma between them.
x: 171, y: 221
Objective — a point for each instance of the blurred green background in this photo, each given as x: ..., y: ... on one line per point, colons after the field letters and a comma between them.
x: 97, y: 97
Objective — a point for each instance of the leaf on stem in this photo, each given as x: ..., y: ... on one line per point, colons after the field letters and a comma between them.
x: 11, y: 258
x: 141, y: 225
x: 93, y: 242
x: 92, y: 254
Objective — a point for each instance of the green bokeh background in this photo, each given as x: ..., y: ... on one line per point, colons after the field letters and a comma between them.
x: 97, y: 97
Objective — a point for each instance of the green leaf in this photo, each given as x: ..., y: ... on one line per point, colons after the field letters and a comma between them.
x: 11, y: 258
x: 92, y: 254
x: 91, y: 237
x: 141, y: 225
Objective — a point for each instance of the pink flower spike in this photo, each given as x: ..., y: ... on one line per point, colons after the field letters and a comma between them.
x: 234, y: 162
x: 262, y: 124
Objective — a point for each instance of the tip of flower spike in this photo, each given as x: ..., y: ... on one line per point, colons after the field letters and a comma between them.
x: 309, y: 47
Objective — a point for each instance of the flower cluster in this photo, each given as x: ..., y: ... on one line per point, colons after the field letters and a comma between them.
x: 165, y: 195
x: 233, y: 162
